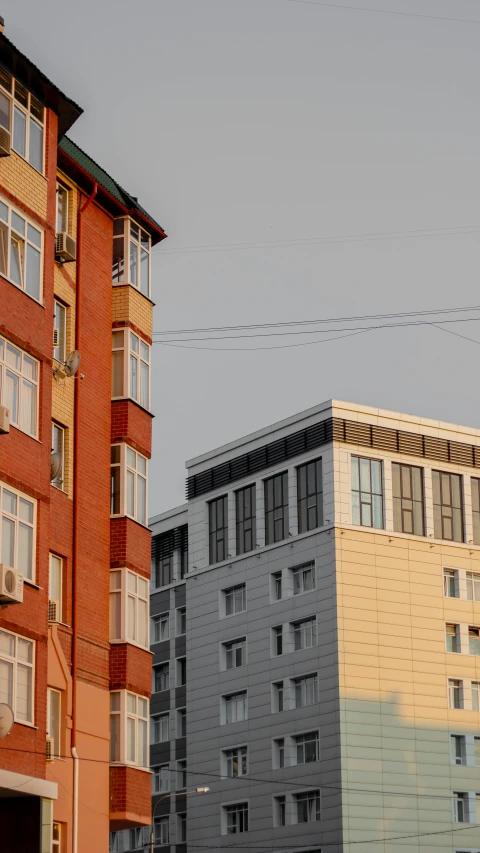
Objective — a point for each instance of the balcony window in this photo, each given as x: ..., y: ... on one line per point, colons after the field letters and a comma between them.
x: 24, y: 117
x: 21, y: 251
x: 130, y: 367
x: 128, y: 483
x: 129, y: 608
x: 60, y: 332
x: 131, y: 255
x: 128, y: 729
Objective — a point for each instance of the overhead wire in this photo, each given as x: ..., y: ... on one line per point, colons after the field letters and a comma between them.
x: 385, y: 11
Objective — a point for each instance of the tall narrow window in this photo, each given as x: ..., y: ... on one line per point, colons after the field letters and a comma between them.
x: 128, y: 728
x: 118, y: 363
x: 160, y: 628
x: 19, y: 387
x: 460, y: 805
x: 182, y: 827
x: 367, y: 492
x: 280, y: 811
x: 458, y: 746
x: 163, y: 558
x: 408, y: 507
x: 161, y: 677
x: 473, y: 586
x: 17, y: 656
x: 246, y: 520
x: 447, y: 506
x: 59, y: 332
x: 54, y: 719
x: 475, y: 689
x: 128, y: 495
x: 58, y: 446
x: 62, y: 209
x: 131, y: 255
x: 218, y: 529
x: 162, y: 831
x: 474, y: 641
x: 129, y: 608
x: 455, y: 693
x: 160, y: 728
x: 139, y: 371
x: 453, y: 640
x: 310, y: 496
x: 28, y: 121
x: 55, y: 585
x: 476, y: 510
x: 17, y: 531
x: 450, y: 583
x: 276, y: 508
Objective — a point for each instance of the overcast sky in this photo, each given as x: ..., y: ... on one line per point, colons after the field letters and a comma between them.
x: 268, y: 120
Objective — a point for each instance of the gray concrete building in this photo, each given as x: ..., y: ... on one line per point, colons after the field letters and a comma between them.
x: 315, y: 634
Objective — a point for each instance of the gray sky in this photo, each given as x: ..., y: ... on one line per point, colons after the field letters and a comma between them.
x: 265, y: 120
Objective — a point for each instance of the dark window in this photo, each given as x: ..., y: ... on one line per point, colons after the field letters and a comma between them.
x: 447, y: 506
x: 407, y: 499
x: 367, y: 493
x: 246, y: 523
x: 276, y: 508
x: 161, y: 677
x: 310, y: 496
x: 183, y: 551
x: 476, y: 510
x: 182, y: 672
x: 164, y: 544
x: 218, y: 529
x: 182, y: 723
x: 278, y: 640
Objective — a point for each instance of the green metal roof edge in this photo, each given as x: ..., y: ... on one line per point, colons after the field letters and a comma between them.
x: 71, y: 149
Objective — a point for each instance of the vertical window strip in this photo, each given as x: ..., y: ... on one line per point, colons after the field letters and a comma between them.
x: 276, y: 508
x: 310, y: 496
x: 218, y: 529
x: 246, y: 519
x: 447, y: 506
x: 408, y: 501
x: 367, y: 492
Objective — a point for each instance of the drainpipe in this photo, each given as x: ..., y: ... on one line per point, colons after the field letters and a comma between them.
x: 76, y: 422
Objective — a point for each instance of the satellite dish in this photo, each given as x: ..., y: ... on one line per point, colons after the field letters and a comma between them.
x: 72, y: 363
x: 6, y: 719
x: 55, y: 465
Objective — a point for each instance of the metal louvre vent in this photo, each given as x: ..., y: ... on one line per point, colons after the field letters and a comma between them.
x: 164, y: 544
x: 384, y: 439
x: 53, y: 611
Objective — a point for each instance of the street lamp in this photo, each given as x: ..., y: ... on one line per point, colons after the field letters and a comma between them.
x: 201, y: 790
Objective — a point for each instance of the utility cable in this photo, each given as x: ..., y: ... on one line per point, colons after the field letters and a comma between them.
x: 385, y: 11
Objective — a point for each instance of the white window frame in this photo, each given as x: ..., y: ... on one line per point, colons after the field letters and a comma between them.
x: 122, y: 340
x: 163, y: 838
x: 55, y: 735
x: 127, y: 595
x: 301, y: 571
x: 23, y: 378
x: 301, y: 681
x: 159, y: 619
x: 225, y: 808
x: 19, y: 522
x: 63, y: 188
x: 8, y: 85
x: 238, y: 590
x: 449, y: 576
x: 59, y: 434
x: 228, y: 652
x: 52, y: 593
x: 60, y: 326
x: 125, y: 468
x: 161, y: 718
x: 302, y: 628
x: 15, y: 662
x: 124, y: 715
x: 224, y: 700
x: 226, y: 756
x: 158, y: 776
x: 22, y: 238
x: 126, y: 238
x: 296, y: 797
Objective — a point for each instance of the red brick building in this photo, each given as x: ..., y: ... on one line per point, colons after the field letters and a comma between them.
x: 75, y: 275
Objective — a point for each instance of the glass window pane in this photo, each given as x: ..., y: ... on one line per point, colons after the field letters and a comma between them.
x: 365, y: 482
x: 117, y: 374
x: 141, y: 500
x: 4, y: 111
x: 144, y: 273
x: 35, y: 154
x: 32, y: 284
x: 25, y: 550
x: 16, y: 260
x: 19, y: 131
x: 130, y: 493
x: 133, y: 263
x: 8, y: 542
x: 6, y: 682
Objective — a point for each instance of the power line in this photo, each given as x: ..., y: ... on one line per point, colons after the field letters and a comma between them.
x: 450, y: 332
x: 298, y: 242
x: 256, y: 349
x: 321, y: 321
x: 385, y: 11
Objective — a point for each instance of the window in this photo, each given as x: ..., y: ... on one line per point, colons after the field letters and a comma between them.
x: 277, y: 586
x: 450, y: 583
x: 278, y: 696
x: 128, y: 491
x: 129, y: 608
x: 19, y: 386
x: 182, y: 774
x: 181, y: 672
x: 476, y: 510
x: 474, y: 641
x: 131, y: 371
x: 453, y: 638
x: 407, y: 490
x: 280, y: 816
x: 17, y: 533
x: 181, y: 722
x: 279, y: 753
x: 235, y: 707
x: 56, y: 837
x: 306, y: 690
x: 303, y: 578
x: 236, y: 761
x: 310, y: 496
x: 276, y: 508
x: 24, y: 117
x: 246, y: 520
x: 237, y: 818
x: 181, y: 621
x: 160, y: 728
x: 475, y: 695
x: 164, y: 547
x: 62, y: 208
x: 476, y: 751
x: 367, y: 492
x: 473, y: 586
x: 128, y: 728
x: 135, y: 837
x: 160, y: 628
x: 58, y: 446
x: 16, y: 675
x: 59, y: 332
x: 182, y: 828
x: 447, y: 506
x: 218, y: 529
x: 307, y: 748
x: 458, y: 747
x: 54, y: 706
x: 235, y: 653
x: 305, y: 633
x: 161, y: 677
x: 460, y: 807
x: 278, y: 640
x: 162, y: 830
x: 235, y: 599
x: 55, y: 584
x: 161, y: 779
x: 455, y: 693
x: 131, y: 255
x: 307, y: 806
x: 20, y: 251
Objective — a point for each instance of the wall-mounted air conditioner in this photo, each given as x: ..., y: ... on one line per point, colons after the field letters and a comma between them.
x: 11, y: 584
x: 65, y: 247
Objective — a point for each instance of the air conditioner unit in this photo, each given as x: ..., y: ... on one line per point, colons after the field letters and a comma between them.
x: 11, y: 584
x: 50, y: 749
x: 5, y: 146
x: 53, y: 611
x: 65, y: 247
x: 4, y: 420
